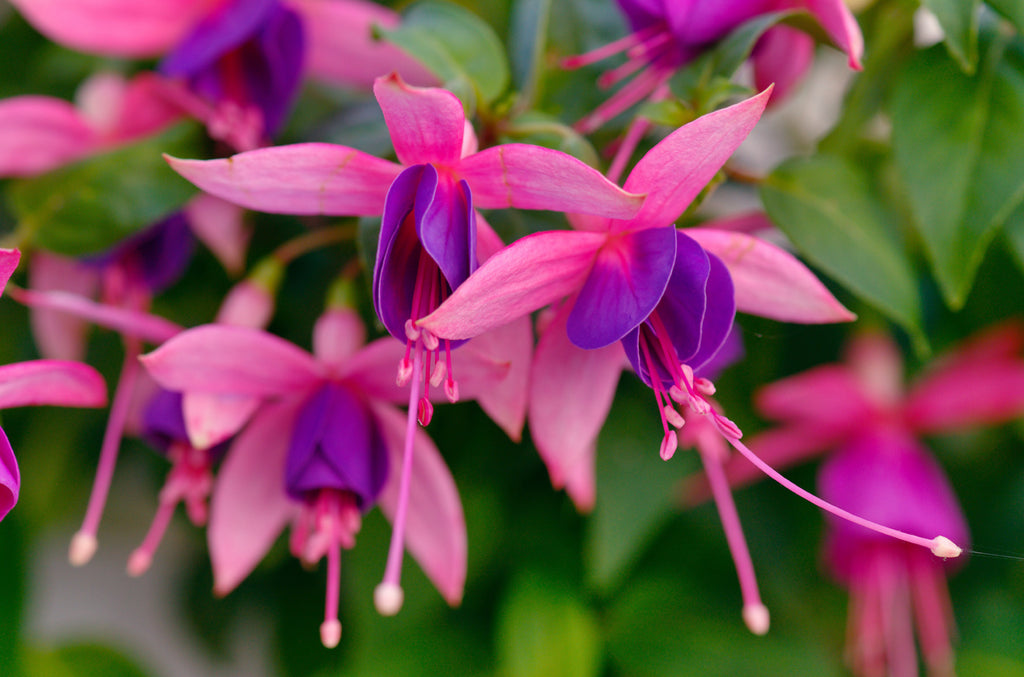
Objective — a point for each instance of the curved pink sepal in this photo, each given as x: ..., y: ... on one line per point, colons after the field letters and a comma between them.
x: 503, y: 395
x: 212, y: 418
x: 531, y: 273
x: 39, y: 133
x: 9, y: 259
x: 530, y: 177
x: 231, y: 360
x: 51, y: 382
x: 126, y: 28
x: 799, y: 398
x: 340, y: 47
x: 837, y: 20
x: 248, y: 506
x: 304, y: 178
x: 571, y: 393
x: 769, y: 281
x: 677, y: 169
x: 435, y: 530
x: 427, y: 124
x: 10, y: 476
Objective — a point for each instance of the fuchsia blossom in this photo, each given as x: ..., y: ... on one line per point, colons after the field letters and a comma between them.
x: 668, y: 34
x: 241, y: 61
x: 323, y: 449
x: 881, y: 471
x: 38, y: 382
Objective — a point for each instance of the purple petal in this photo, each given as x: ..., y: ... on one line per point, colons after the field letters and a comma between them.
x: 628, y: 278
x: 885, y: 475
x: 10, y: 477
x: 51, y: 382
x: 273, y: 67
x: 336, y: 445
x: 160, y: 253
x: 699, y: 23
x: 227, y: 27
x: 720, y: 309
x: 163, y: 422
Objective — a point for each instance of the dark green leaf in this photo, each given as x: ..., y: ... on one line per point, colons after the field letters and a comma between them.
x: 528, y: 39
x: 93, y: 204
x: 957, y: 143
x: 545, y: 130
x: 544, y: 630
x: 959, y: 21
x: 828, y: 209
x: 82, y: 660
x: 636, y: 490
x: 457, y: 46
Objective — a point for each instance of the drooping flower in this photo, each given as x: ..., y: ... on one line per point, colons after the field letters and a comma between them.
x: 668, y: 34
x: 38, y: 382
x: 241, y: 61
x: 880, y: 470
x: 323, y: 449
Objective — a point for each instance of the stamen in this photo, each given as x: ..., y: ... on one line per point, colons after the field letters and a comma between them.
x: 83, y: 544
x: 669, y: 444
x: 404, y: 371
x: 611, y: 49
x: 632, y: 92
x: 704, y: 387
x: 451, y: 388
x: 755, y: 614
x: 388, y: 595
x: 430, y: 341
x: 939, y: 545
x: 424, y: 412
x: 142, y: 557
x: 672, y: 416
x: 412, y: 332
x: 438, y: 374
x: 330, y: 629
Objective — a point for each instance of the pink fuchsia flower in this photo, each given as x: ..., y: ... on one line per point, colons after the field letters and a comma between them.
x: 38, y: 382
x: 430, y: 227
x: 242, y: 60
x: 668, y: 34
x: 324, y: 448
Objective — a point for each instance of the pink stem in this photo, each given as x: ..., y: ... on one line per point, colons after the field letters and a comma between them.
x: 142, y: 557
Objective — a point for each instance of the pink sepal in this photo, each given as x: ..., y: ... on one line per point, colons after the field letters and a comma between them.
x: 427, y: 124
x: 837, y: 20
x: 571, y: 393
x: 303, y: 178
x: 799, y: 397
x: 51, y: 382
x: 769, y: 281
x: 248, y: 506
x: 672, y: 173
x: 60, y: 335
x: 219, y: 225
x: 435, y: 531
x: 9, y: 259
x: 212, y: 418
x: 127, y: 28
x: 531, y: 177
x: 39, y: 133
x: 504, y: 390
x: 10, y: 476
x: 222, y: 359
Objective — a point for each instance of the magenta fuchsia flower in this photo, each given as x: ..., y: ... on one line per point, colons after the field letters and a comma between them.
x: 38, y: 382
x: 325, y: 447
x: 880, y: 470
x: 241, y: 61
x: 668, y: 34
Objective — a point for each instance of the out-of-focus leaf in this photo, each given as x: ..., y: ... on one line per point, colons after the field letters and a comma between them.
x: 636, y: 490
x: 957, y: 142
x: 1013, y: 10
x: 12, y: 573
x: 528, y: 37
x: 82, y: 660
x: 959, y: 21
x: 544, y: 630
x: 1014, y: 232
x: 93, y: 204
x: 545, y: 130
x: 990, y: 665
x: 828, y: 209
x: 457, y: 46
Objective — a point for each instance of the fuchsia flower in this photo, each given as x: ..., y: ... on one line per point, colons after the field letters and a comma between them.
x: 880, y: 470
x: 323, y: 449
x: 241, y: 61
x: 38, y: 382
x: 668, y: 34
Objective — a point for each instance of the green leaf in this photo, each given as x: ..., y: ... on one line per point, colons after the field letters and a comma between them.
x: 82, y: 660
x: 545, y: 631
x: 959, y: 21
x: 528, y: 40
x: 1014, y: 233
x: 93, y: 204
x: 957, y: 142
x: 12, y: 593
x: 457, y: 46
x: 636, y: 491
x: 828, y: 209
x: 1012, y: 10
